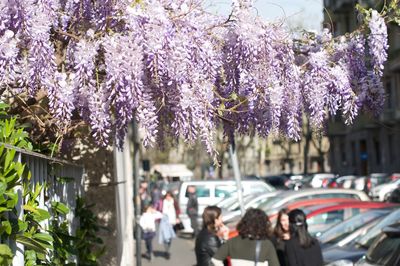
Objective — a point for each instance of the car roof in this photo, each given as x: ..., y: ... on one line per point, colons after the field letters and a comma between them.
x: 355, y: 204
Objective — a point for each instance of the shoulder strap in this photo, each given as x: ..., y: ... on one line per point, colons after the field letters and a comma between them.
x: 258, y: 248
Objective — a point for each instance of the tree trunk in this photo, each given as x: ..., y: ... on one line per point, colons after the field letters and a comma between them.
x: 306, y: 150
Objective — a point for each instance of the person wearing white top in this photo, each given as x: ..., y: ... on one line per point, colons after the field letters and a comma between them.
x: 148, y: 224
x: 169, y: 207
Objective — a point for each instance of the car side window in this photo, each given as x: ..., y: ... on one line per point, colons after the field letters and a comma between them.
x: 201, y: 192
x: 331, y: 217
x: 224, y: 191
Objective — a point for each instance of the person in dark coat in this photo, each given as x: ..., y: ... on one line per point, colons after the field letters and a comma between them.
x: 208, y: 240
x: 192, y: 210
x: 281, y: 234
x: 301, y: 249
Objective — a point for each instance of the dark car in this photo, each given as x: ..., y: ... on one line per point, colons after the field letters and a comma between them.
x: 277, y: 181
x: 356, y: 249
x: 385, y: 250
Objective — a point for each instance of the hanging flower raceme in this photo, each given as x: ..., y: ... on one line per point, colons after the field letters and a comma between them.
x: 182, y: 72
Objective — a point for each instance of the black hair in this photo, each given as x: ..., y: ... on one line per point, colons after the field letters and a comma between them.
x: 298, y: 228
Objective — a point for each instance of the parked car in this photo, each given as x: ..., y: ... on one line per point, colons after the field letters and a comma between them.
x: 353, y: 251
x: 233, y: 214
x: 385, y: 250
x: 343, y: 233
x: 321, y: 179
x: 319, y: 219
x: 374, y: 180
x: 210, y: 192
x: 343, y: 182
x: 277, y: 181
x: 290, y: 196
x: 382, y: 192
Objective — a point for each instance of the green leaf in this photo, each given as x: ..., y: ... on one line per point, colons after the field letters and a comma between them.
x: 6, y: 226
x: 3, y: 209
x: 22, y: 226
x: 9, y: 158
x: 3, y: 187
x: 41, y: 215
x: 60, y: 207
x: 6, y: 255
x: 30, y: 243
x: 12, y: 199
x: 30, y: 208
x: 43, y: 237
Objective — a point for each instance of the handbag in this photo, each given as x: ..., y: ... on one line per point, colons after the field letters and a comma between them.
x: 179, y: 226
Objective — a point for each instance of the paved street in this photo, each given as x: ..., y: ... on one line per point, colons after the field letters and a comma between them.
x: 182, y: 253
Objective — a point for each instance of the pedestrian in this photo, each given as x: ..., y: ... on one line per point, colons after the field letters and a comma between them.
x: 192, y: 209
x: 169, y: 207
x: 144, y: 196
x: 148, y: 225
x: 211, y: 236
x: 301, y: 249
x: 252, y: 246
x: 155, y: 194
x: 281, y: 234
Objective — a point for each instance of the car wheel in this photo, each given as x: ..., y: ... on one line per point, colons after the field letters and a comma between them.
x: 386, y: 197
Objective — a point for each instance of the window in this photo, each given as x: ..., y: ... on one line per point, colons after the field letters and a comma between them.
x: 391, y: 148
x: 201, y: 192
x: 224, y: 191
x: 389, y: 97
x: 385, y: 250
x: 377, y: 151
x: 353, y: 153
x: 331, y: 217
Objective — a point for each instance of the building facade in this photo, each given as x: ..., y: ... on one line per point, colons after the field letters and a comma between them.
x: 370, y: 144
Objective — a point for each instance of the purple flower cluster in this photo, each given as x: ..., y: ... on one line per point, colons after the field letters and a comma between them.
x: 377, y: 41
x: 182, y: 72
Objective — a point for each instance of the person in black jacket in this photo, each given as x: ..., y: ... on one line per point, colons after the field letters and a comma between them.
x: 301, y: 249
x: 209, y: 239
x: 192, y: 209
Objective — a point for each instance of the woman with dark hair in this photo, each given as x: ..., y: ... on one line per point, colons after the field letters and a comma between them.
x: 282, y: 234
x: 208, y: 241
x: 252, y: 245
x: 301, y: 249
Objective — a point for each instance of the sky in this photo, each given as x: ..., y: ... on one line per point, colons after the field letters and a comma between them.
x: 297, y: 14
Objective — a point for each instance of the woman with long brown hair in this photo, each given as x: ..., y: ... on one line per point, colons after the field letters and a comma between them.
x: 282, y: 234
x: 252, y: 245
x: 208, y: 240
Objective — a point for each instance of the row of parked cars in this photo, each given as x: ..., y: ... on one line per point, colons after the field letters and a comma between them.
x: 350, y: 226
x: 378, y: 185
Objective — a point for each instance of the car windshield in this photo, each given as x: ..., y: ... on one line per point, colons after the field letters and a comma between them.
x: 384, y: 251
x: 268, y: 202
x: 344, y: 229
x: 366, y: 240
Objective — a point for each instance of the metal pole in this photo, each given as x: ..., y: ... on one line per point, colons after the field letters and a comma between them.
x: 136, y: 163
x: 236, y: 172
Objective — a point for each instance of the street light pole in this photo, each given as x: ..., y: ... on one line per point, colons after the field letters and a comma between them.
x: 136, y: 163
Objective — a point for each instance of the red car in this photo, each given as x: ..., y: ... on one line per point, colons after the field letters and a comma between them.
x: 321, y: 218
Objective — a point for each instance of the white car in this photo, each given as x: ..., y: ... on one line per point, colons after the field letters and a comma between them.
x: 382, y: 192
x: 318, y: 179
x: 210, y: 192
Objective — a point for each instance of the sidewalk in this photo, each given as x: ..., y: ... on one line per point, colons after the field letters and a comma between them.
x: 182, y: 253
